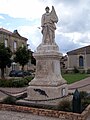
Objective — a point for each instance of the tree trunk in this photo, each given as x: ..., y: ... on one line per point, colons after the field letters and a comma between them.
x: 2, y: 73
x: 22, y: 67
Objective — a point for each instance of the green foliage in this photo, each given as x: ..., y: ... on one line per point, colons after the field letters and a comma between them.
x: 5, y: 58
x: 85, y: 103
x: 75, y: 70
x: 65, y: 105
x: 18, y: 83
x: 33, y: 60
x: 9, y: 100
x: 83, y: 94
x: 71, y: 78
x: 88, y: 71
x: 5, y: 55
x: 21, y: 82
x: 85, y: 100
x: 22, y: 56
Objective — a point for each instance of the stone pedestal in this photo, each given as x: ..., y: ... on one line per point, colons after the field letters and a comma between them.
x: 48, y: 82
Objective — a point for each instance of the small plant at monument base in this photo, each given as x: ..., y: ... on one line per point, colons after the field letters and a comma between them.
x: 65, y: 105
x: 9, y: 100
x: 75, y: 70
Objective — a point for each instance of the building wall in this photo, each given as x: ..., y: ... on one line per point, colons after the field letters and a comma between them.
x: 73, y: 60
x: 11, y: 39
x: 88, y: 61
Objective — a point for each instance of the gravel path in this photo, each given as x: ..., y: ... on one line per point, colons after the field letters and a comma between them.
x: 83, y: 85
x: 10, y: 115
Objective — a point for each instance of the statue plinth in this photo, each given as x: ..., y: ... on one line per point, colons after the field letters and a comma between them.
x: 48, y: 77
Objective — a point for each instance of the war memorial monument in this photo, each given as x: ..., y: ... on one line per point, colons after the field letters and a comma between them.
x: 48, y: 82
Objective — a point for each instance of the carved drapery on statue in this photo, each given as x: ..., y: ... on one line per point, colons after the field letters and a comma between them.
x: 48, y: 26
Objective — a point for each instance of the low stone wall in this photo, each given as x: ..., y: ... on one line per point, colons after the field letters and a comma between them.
x: 44, y: 112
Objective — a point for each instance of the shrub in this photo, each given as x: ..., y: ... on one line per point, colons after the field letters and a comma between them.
x: 85, y: 103
x: 85, y: 100
x: 88, y: 71
x: 9, y: 100
x: 21, y: 82
x: 6, y: 83
x: 65, y: 105
x: 18, y: 83
x: 75, y: 70
x: 82, y: 71
x: 83, y: 94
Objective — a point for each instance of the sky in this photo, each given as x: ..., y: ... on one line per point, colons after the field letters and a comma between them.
x: 73, y: 27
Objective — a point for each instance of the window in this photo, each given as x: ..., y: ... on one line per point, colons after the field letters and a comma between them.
x: 15, y: 45
x: 81, y: 61
x: 6, y: 43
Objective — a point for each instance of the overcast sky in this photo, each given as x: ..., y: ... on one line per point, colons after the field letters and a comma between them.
x: 73, y: 28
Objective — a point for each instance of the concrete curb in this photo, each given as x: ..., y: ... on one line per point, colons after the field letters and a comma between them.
x: 45, y: 112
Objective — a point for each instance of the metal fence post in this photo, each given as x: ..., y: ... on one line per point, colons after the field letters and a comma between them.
x: 76, y: 103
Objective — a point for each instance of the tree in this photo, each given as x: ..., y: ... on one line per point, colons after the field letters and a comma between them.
x: 22, y: 56
x: 33, y: 60
x: 5, y: 58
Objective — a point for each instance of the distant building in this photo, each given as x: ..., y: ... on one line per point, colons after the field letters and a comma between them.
x: 63, y: 62
x: 13, y: 40
x: 79, y: 58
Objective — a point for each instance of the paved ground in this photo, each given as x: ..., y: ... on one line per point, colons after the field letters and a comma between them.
x: 9, y: 115
x: 83, y: 85
x: 11, y: 91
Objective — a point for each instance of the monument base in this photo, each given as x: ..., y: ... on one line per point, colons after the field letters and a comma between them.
x: 49, y: 103
x: 52, y: 104
x: 48, y: 83
x: 42, y: 93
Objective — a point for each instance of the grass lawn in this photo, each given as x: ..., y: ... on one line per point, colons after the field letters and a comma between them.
x: 71, y: 78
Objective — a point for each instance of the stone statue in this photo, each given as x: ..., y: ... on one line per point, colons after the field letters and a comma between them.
x: 48, y: 26
x: 48, y: 82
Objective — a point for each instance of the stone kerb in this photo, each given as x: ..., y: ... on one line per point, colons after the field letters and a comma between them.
x: 51, y: 113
